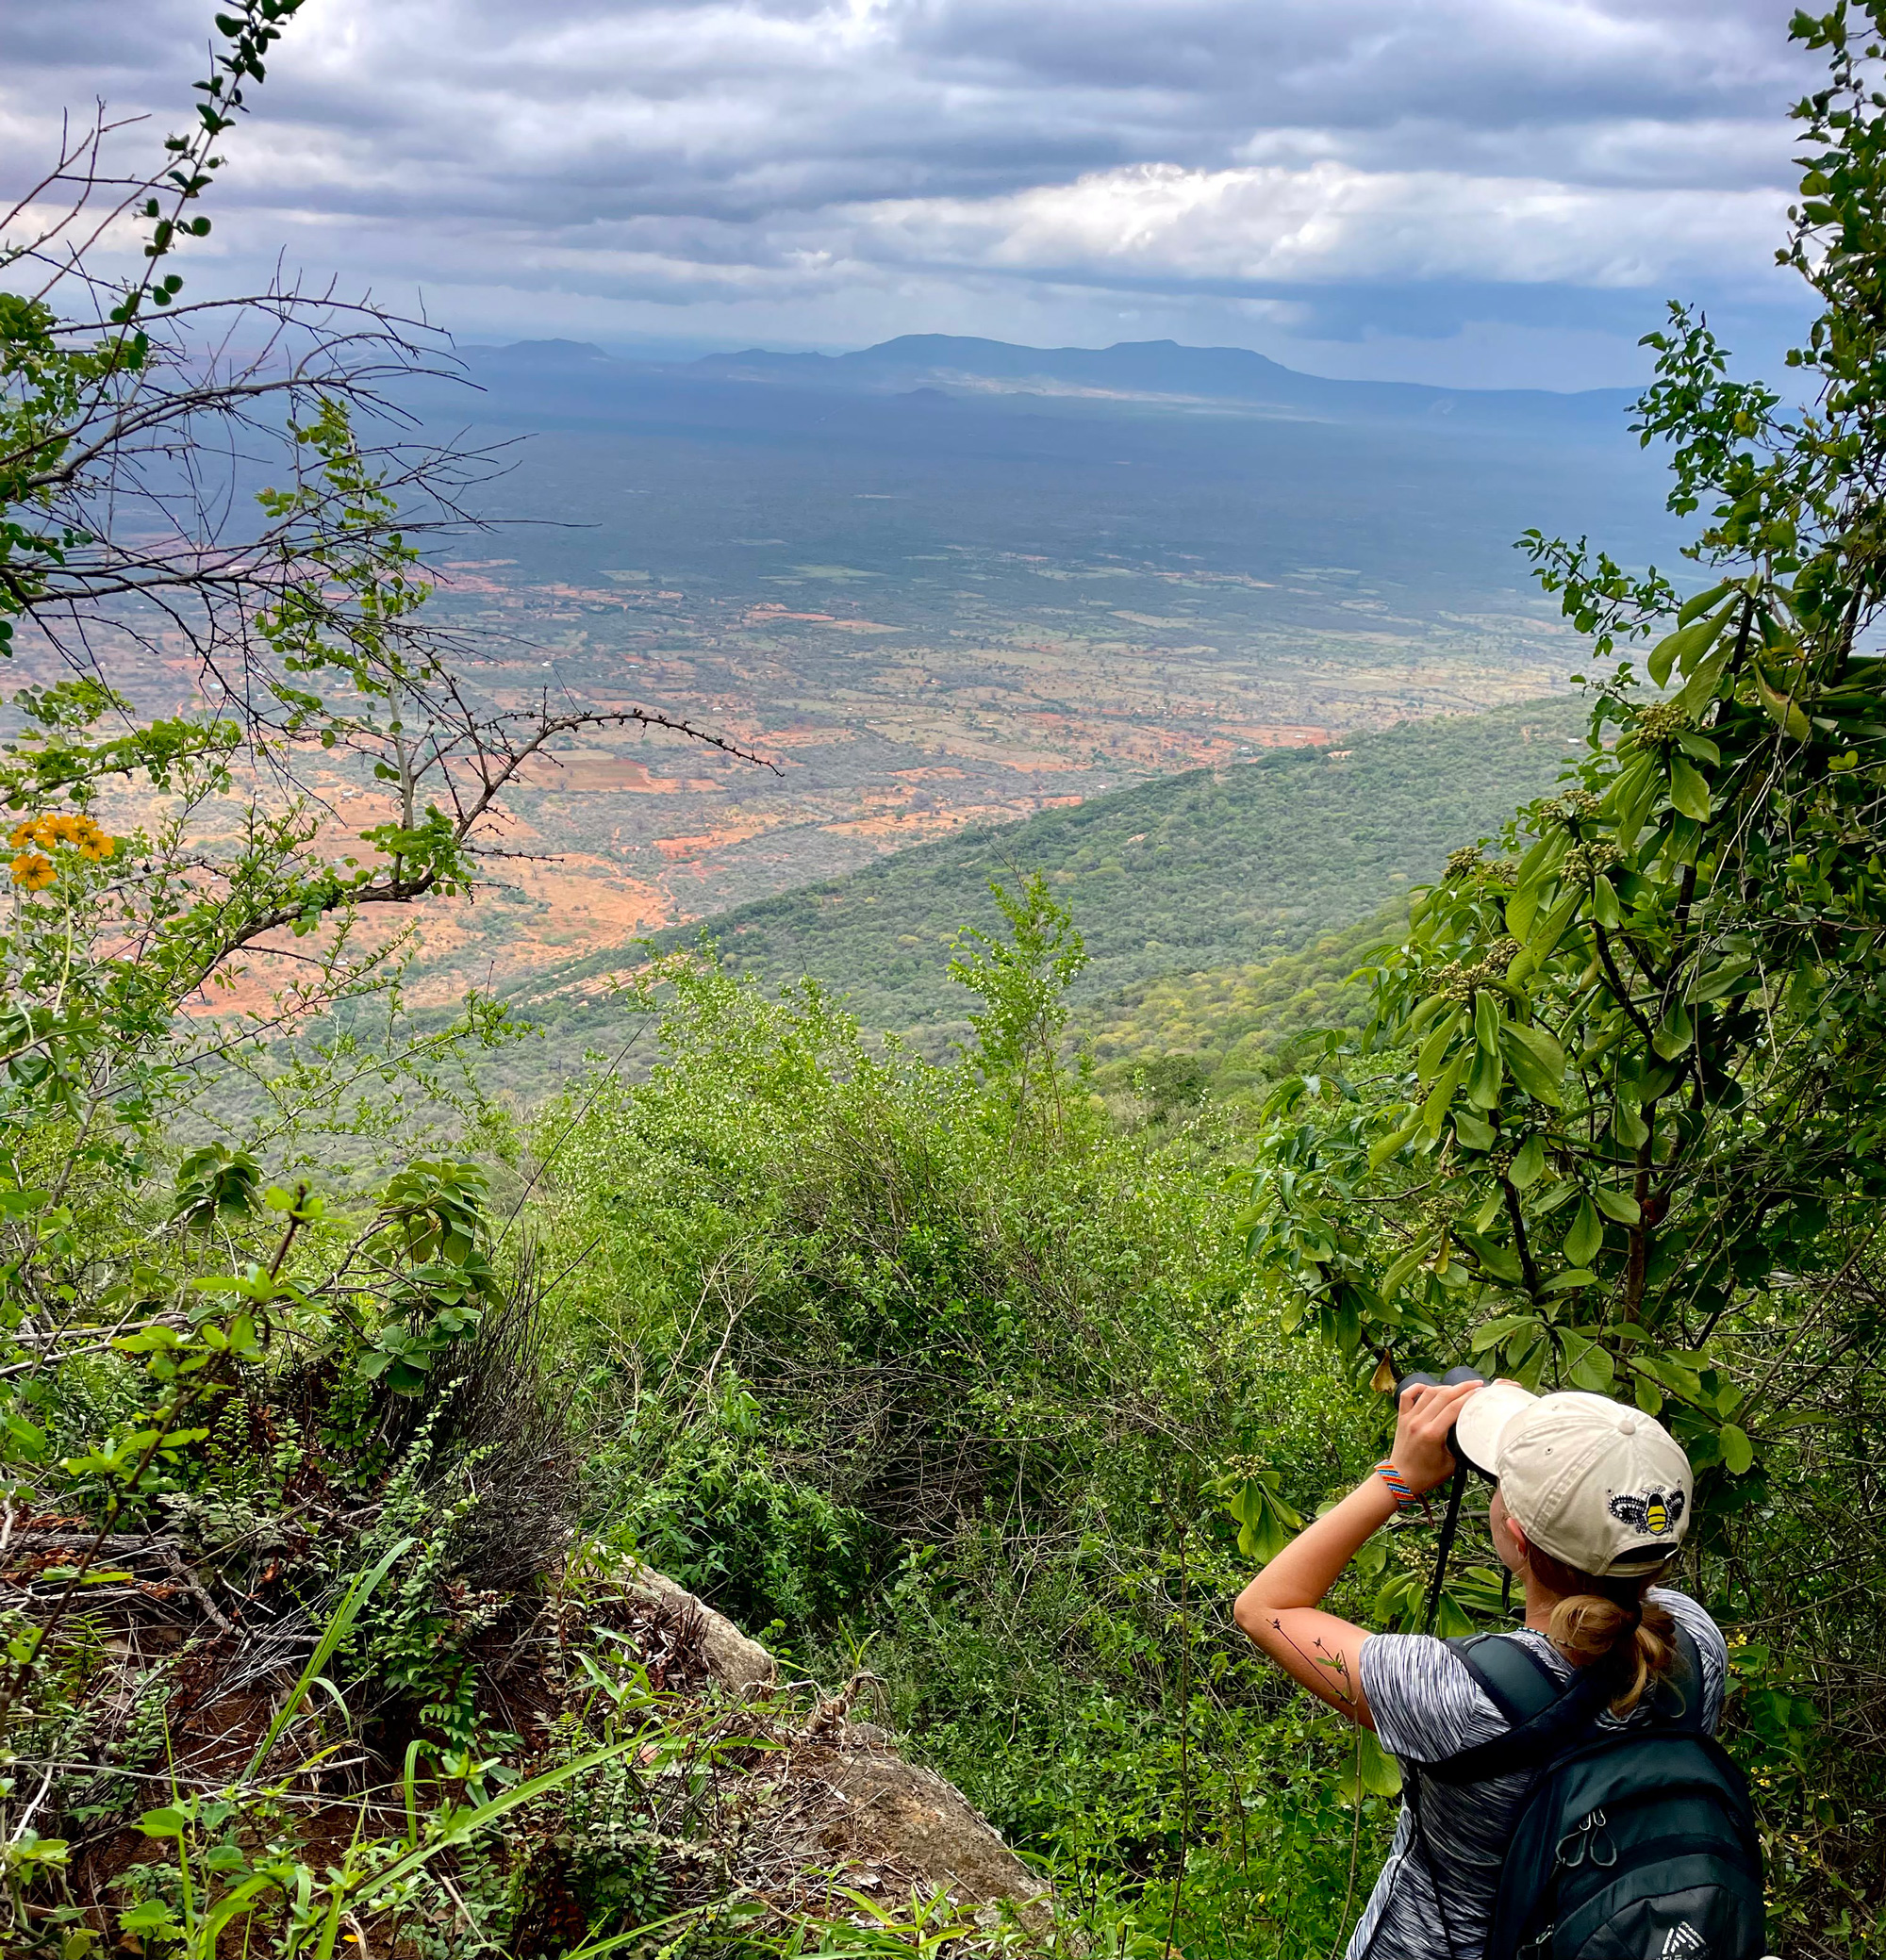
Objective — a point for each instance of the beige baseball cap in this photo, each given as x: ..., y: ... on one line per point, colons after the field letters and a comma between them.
x: 1601, y: 1487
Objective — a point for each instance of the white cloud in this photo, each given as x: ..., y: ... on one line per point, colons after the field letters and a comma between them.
x: 1330, y: 221
x: 794, y: 169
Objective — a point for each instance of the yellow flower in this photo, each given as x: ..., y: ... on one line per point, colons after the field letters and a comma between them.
x: 67, y: 830
x: 32, y: 871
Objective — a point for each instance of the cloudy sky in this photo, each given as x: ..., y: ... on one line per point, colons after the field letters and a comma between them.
x: 1468, y: 191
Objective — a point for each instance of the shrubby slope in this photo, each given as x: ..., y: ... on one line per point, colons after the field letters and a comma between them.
x: 1187, y: 1035
x: 1196, y: 871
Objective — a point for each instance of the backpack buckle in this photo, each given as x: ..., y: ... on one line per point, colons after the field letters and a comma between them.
x: 1603, y: 1850
x: 1589, y: 1840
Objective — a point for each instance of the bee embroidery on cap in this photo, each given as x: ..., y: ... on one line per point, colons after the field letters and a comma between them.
x: 1656, y: 1511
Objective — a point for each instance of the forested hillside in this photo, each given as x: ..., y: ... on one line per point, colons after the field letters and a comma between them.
x: 1185, y: 1036
x: 345, y: 1401
x: 1208, y: 870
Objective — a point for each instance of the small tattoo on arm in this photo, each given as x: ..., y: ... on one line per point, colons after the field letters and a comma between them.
x: 1335, y: 1667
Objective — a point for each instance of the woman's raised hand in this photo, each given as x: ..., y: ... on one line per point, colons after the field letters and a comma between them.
x: 1425, y: 1416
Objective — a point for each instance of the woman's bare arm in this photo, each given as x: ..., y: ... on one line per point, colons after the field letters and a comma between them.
x: 1281, y: 1608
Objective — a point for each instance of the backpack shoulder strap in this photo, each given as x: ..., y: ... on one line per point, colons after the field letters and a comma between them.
x: 1511, y: 1672
x: 1679, y: 1701
x: 1547, y: 1715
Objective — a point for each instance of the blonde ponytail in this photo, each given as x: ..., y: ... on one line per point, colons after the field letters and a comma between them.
x: 1596, y: 1618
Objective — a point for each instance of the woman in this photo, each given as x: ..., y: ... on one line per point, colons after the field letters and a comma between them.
x: 1592, y: 1504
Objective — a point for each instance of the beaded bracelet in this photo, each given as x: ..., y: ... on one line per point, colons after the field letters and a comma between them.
x: 1405, y: 1499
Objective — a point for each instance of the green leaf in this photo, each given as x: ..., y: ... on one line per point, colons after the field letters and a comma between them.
x: 1738, y: 1452
x: 1689, y: 793
x: 1631, y: 798
x: 1675, y: 1375
x: 1539, y: 860
x: 1571, y: 1281
x: 1484, y: 1080
x: 1434, y: 1049
x: 1683, y: 648
x: 1699, y: 689
x: 1529, y: 1160
x: 26, y: 1441
x: 1588, y: 1366
x: 1502, y: 1261
x: 1474, y: 1133
x: 1785, y: 714
x: 1537, y: 1060
x: 466, y: 1825
x: 1586, y: 1235
x: 1381, y: 1775
x: 1420, y: 1017
x: 1617, y: 1205
x: 1397, y: 1596
x: 1491, y: 1333
x: 1537, y: 870
x: 1673, y: 1035
x: 1702, y: 601
x: 1721, y: 981
x: 1662, y: 657
x: 1385, y: 1148
x: 1486, y: 1022
x: 1545, y: 940
x: 335, y: 1631
x: 1265, y: 1522
x: 1442, y: 1094
x: 152, y: 1915
x: 1654, y: 1083
x: 1396, y: 1276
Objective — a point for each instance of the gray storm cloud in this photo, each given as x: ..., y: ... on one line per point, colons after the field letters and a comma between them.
x: 830, y: 173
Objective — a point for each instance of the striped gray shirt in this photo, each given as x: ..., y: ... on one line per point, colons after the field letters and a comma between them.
x: 1434, y: 1898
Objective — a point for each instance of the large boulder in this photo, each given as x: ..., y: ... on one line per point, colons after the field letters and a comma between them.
x: 741, y: 1666
x: 833, y: 1803
x: 888, y: 1826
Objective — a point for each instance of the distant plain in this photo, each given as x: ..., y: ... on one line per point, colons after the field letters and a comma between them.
x: 948, y: 583
x: 937, y: 601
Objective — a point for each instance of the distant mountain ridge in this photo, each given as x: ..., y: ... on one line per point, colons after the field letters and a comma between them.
x: 1147, y: 371
x: 933, y: 368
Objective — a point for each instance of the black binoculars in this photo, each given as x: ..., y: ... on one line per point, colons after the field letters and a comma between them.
x: 1452, y: 1378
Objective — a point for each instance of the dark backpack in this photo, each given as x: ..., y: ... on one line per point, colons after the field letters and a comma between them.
x: 1634, y: 1843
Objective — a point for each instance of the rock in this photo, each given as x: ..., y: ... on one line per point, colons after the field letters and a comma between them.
x: 838, y: 1806
x: 737, y: 1664
x: 911, y: 1820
